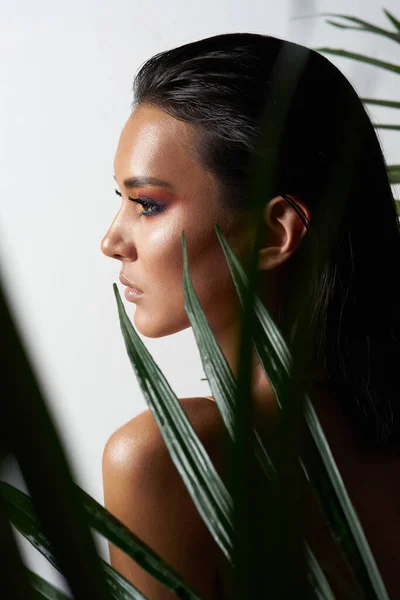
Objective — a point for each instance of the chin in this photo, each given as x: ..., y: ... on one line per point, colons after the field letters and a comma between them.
x: 157, y: 328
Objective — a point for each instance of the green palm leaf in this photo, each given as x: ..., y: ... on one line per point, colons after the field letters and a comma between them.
x: 388, y: 103
x: 202, y: 481
x: 28, y: 432
x: 361, y: 58
x: 364, y: 26
x: 117, y: 533
x: 273, y: 123
x: 392, y: 19
x: 222, y: 382
x: 342, y: 584
x: 223, y: 385
x: 44, y: 589
x: 318, y: 578
x: 385, y: 126
x: 14, y: 581
x: 322, y: 471
x: 394, y: 173
x: 22, y: 514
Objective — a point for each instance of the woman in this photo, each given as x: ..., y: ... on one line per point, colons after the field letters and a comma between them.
x: 183, y: 163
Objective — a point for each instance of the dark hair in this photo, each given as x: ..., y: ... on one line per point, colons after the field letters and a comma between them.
x: 220, y: 85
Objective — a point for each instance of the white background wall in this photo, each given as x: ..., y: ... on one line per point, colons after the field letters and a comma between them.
x: 65, y: 92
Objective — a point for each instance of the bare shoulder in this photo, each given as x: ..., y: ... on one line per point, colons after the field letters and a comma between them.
x: 142, y: 435
x: 143, y: 488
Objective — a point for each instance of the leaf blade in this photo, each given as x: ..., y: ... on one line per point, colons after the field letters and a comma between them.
x: 317, y: 578
x: 323, y: 474
x: 364, y: 26
x: 28, y: 432
x: 117, y: 533
x: 219, y: 374
x: 199, y: 475
x: 22, y: 514
x: 392, y: 19
x: 377, y: 102
x: 393, y: 173
x: 46, y: 589
x: 386, y: 126
x: 360, y: 57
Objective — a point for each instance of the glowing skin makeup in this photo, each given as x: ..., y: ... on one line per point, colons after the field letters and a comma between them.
x: 164, y: 190
x: 145, y: 235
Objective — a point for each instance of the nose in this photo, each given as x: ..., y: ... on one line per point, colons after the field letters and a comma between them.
x: 115, y: 245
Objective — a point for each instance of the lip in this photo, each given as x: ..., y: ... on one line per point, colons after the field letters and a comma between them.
x: 130, y: 284
x: 131, y: 293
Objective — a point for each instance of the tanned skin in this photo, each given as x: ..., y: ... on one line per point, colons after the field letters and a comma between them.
x: 142, y: 487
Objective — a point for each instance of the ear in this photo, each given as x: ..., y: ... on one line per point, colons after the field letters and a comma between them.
x: 284, y: 231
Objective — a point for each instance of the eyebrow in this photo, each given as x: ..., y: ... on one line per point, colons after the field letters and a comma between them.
x: 132, y: 182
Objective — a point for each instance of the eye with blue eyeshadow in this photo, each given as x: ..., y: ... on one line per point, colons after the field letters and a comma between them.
x: 151, y: 207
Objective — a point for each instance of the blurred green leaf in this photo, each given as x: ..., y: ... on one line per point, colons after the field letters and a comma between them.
x: 27, y: 431
x: 318, y: 578
x: 364, y: 26
x: 44, y: 589
x: 22, y: 514
x: 392, y: 19
x: 117, y: 533
x: 361, y: 58
x: 384, y: 126
x: 349, y: 593
x: 266, y: 549
x: 14, y: 583
x: 388, y: 103
x: 394, y: 173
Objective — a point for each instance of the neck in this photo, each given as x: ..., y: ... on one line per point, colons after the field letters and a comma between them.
x: 264, y: 402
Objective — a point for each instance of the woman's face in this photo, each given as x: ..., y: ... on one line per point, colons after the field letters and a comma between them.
x: 147, y: 240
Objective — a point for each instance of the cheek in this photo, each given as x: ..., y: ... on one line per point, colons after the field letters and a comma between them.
x: 162, y: 251
x: 160, y: 265
x: 210, y: 273
x: 162, y: 257
x: 163, y: 312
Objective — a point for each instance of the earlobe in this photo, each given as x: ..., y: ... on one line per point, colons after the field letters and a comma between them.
x: 284, y: 231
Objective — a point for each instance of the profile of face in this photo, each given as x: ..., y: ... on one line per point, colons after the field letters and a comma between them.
x: 146, y: 238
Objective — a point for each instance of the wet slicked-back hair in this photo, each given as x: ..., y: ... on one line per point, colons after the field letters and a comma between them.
x: 220, y: 85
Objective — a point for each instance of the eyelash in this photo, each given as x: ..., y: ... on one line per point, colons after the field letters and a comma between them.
x: 152, y: 210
